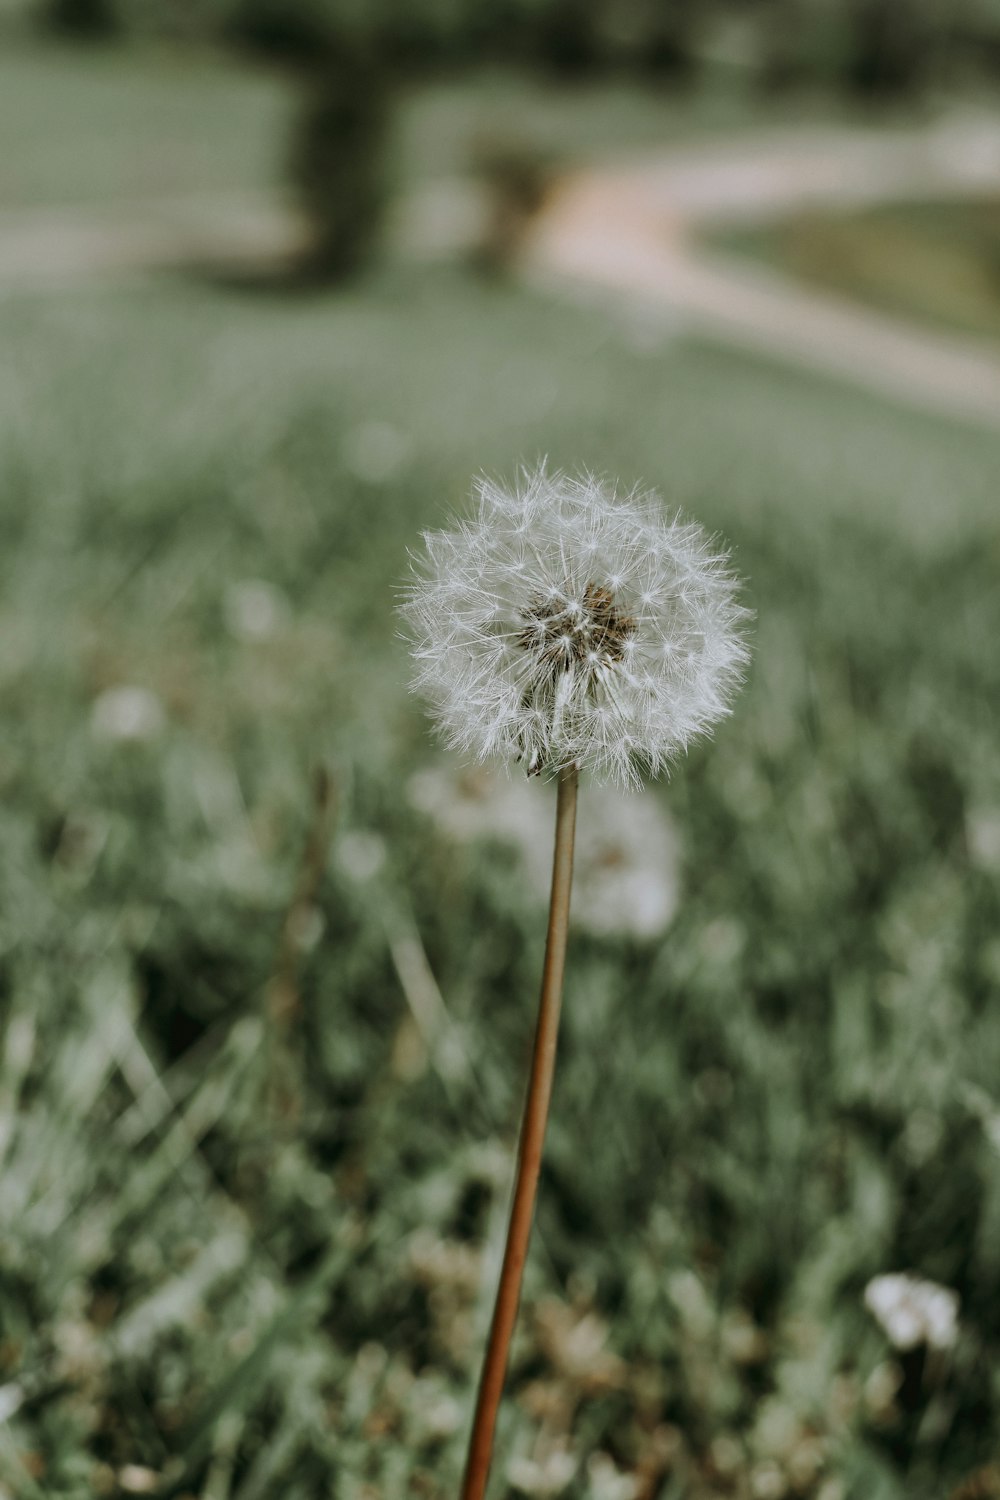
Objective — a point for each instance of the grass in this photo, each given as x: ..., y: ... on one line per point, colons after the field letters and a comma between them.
x: 94, y: 130
x: 242, y: 1251
x: 938, y: 262
x: 245, y: 1196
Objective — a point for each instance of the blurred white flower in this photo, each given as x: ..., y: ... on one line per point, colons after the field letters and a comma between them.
x: 11, y: 1400
x: 136, y: 1479
x: 547, y: 1475
x: 913, y: 1311
x: 434, y: 1411
x: 376, y: 451
x: 127, y: 713
x: 767, y: 1482
x: 607, y: 1482
x: 564, y: 624
x: 982, y: 832
x: 254, y: 610
x: 626, y: 878
x: 360, y: 854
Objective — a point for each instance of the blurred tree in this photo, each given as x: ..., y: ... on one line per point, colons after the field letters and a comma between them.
x: 337, y: 162
x: 891, y: 46
x: 671, y: 36
x: 801, y: 42
x: 567, y: 36
x: 296, y: 32
x: 82, y: 18
x: 978, y: 25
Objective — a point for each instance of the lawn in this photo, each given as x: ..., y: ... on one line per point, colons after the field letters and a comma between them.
x: 91, y: 129
x: 214, y: 1203
x: 938, y: 262
x: 248, y: 1172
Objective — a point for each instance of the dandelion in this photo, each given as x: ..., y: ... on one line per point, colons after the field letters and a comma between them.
x: 570, y: 629
x: 567, y: 626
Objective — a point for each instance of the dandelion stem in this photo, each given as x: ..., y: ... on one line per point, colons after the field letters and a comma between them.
x: 529, y: 1161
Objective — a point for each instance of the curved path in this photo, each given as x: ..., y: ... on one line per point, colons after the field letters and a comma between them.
x: 52, y: 247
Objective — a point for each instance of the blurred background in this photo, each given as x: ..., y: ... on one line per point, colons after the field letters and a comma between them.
x: 277, y: 278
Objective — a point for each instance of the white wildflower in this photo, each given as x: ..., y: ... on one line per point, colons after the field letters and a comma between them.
x: 982, y: 833
x: 375, y: 452
x: 136, y: 1479
x: 564, y: 624
x: 627, y: 862
x: 545, y: 1475
x: 254, y: 609
x: 127, y: 713
x: 913, y: 1311
x: 607, y: 1482
x: 767, y: 1482
x: 11, y: 1400
x: 360, y: 854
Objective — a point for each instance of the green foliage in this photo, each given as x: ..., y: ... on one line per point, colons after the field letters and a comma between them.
x: 88, y: 129
x: 242, y: 1242
x: 872, y: 48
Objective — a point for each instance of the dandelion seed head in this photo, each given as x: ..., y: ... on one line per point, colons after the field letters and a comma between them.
x: 563, y: 624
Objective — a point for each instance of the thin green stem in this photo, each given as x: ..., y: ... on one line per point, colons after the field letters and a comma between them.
x: 536, y: 1109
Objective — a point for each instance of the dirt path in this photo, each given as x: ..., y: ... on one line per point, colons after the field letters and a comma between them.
x: 633, y: 232
x: 52, y: 247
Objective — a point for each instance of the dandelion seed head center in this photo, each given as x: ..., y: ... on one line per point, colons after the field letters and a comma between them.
x: 560, y: 632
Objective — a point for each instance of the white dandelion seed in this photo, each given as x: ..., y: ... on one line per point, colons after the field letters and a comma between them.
x: 566, y: 625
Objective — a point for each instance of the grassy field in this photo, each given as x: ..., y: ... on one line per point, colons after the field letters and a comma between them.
x: 251, y: 1199
x: 90, y: 129
x: 936, y: 262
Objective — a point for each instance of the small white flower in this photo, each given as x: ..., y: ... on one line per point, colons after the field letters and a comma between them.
x: 128, y: 714
x: 136, y: 1479
x: 607, y: 1482
x: 566, y: 625
x: 254, y: 609
x: 11, y: 1400
x: 913, y: 1311
x: 627, y: 878
x: 545, y: 1475
x: 982, y: 832
x: 376, y: 451
x: 360, y: 854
